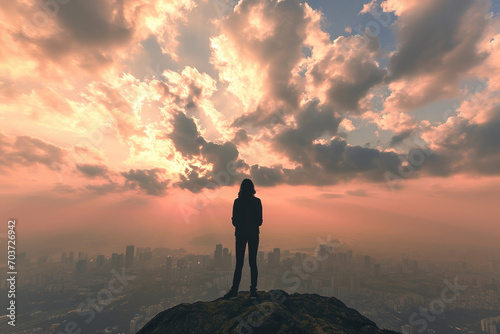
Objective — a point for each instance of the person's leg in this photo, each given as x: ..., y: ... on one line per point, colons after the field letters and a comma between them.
x: 253, y: 245
x: 241, y: 244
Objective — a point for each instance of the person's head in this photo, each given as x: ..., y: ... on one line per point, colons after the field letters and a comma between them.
x: 247, y: 188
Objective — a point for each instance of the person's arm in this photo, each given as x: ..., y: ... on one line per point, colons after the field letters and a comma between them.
x: 233, y: 218
x: 259, y: 213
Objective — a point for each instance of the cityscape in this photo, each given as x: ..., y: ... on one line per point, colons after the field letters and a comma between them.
x: 145, y: 144
x: 120, y: 292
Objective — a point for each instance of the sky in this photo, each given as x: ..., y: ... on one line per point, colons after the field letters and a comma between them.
x: 134, y: 122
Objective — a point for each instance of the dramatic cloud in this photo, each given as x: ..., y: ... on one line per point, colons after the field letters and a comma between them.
x: 437, y: 47
x: 87, y: 35
x: 27, y: 151
x: 461, y: 146
x: 185, y: 135
x: 92, y: 171
x: 276, y: 95
x: 150, y: 181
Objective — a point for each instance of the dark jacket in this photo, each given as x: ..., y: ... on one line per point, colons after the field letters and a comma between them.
x: 247, y: 215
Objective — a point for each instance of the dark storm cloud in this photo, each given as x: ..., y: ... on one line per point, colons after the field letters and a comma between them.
x: 348, y: 93
x: 92, y: 170
x: 437, y: 42
x: 430, y: 34
x: 195, y: 92
x: 281, y: 51
x: 265, y: 176
x: 278, y: 52
x: 349, y: 75
x: 193, y: 182
x: 330, y: 164
x: 398, y: 138
x: 312, y: 121
x: 148, y: 180
x: 262, y: 117
x: 241, y: 137
x: 185, y: 135
x: 26, y: 151
x: 87, y: 30
x: 94, y: 22
x: 222, y: 157
x: 366, y: 163
x: 468, y: 147
x: 359, y: 73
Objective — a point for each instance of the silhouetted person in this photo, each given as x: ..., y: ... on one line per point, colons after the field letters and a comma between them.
x: 247, y: 217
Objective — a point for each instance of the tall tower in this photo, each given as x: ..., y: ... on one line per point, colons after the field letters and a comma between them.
x: 218, y: 256
x: 129, y: 256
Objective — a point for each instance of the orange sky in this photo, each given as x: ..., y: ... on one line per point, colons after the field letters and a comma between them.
x: 118, y: 118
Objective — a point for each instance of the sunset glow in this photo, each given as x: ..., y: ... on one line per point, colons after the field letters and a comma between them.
x: 135, y: 122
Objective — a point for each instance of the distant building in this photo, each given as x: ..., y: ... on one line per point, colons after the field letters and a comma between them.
x: 218, y: 256
x: 81, y: 267
x: 273, y: 258
x: 324, y: 251
x: 277, y: 253
x: 260, y: 259
x: 116, y: 261
x: 349, y: 254
x: 413, y: 265
x: 129, y: 256
x: 408, y: 329
x: 169, y: 262
x: 226, y: 258
x: 148, y: 255
x: 99, y: 261
x: 354, y: 284
x: 491, y: 325
x: 270, y: 259
x: 368, y: 261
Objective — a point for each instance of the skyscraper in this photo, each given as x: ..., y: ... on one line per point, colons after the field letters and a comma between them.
x: 116, y: 261
x: 226, y: 258
x: 99, y: 261
x: 129, y: 256
x: 277, y: 256
x: 368, y: 261
x: 81, y: 267
x: 218, y: 256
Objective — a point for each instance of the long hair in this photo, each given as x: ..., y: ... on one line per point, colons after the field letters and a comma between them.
x: 247, y: 189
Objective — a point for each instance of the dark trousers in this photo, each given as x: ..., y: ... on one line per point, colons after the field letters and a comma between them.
x: 253, y: 245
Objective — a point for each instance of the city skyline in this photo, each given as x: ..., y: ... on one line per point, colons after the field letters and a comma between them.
x: 329, y: 269
x: 142, y: 127
x: 351, y: 149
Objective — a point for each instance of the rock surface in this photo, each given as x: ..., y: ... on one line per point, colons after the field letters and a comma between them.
x: 274, y: 312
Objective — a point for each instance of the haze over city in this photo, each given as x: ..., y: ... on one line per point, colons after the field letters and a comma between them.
x: 353, y: 145
x: 374, y: 121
